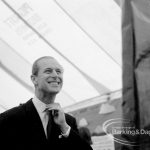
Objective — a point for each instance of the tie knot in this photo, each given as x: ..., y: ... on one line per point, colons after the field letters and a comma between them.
x: 49, y: 113
x: 47, y: 108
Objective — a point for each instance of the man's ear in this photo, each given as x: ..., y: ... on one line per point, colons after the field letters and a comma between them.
x: 34, y: 79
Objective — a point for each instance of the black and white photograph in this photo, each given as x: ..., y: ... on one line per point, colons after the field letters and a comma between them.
x: 74, y: 74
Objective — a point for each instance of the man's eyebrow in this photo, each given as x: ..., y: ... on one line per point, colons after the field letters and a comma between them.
x: 61, y: 69
x: 48, y: 69
x: 58, y: 68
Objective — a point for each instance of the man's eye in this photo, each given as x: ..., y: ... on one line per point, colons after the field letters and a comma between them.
x: 58, y: 71
x: 48, y: 71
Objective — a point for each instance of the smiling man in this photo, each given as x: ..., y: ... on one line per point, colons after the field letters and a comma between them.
x: 47, y: 77
x: 40, y: 123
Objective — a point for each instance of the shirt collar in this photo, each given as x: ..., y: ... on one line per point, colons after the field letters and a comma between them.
x: 39, y: 105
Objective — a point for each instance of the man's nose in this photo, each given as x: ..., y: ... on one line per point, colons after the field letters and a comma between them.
x: 54, y: 73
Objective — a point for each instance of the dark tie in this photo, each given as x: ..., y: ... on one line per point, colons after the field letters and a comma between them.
x: 49, y: 125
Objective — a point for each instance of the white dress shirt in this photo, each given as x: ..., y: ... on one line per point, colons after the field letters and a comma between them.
x: 40, y: 107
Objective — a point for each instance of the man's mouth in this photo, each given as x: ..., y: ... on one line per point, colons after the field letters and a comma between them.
x: 54, y: 83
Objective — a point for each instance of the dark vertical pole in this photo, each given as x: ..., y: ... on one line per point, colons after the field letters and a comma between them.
x: 130, y: 103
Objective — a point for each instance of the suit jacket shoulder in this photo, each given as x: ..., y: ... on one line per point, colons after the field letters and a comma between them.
x: 12, y: 114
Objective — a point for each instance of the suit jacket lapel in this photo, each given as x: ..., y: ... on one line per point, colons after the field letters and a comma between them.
x: 35, y: 124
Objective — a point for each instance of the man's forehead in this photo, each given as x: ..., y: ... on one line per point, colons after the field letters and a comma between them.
x: 49, y: 63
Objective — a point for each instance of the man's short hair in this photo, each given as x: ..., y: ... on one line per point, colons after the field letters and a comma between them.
x: 35, y: 67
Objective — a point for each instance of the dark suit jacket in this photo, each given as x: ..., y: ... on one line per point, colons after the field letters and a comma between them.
x: 21, y: 129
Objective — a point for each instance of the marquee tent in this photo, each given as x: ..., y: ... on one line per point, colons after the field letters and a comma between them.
x: 83, y: 35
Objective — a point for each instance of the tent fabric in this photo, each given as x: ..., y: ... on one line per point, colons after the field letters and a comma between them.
x: 85, y: 37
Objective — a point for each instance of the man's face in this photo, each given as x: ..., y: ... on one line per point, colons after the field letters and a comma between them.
x: 50, y: 76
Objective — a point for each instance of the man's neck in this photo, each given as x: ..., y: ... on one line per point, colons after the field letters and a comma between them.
x: 46, y: 98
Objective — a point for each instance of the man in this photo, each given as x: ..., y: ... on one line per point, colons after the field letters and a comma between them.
x: 85, y: 134
x: 40, y: 123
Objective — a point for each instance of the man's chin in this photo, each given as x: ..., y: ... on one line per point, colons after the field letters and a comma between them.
x: 54, y: 91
